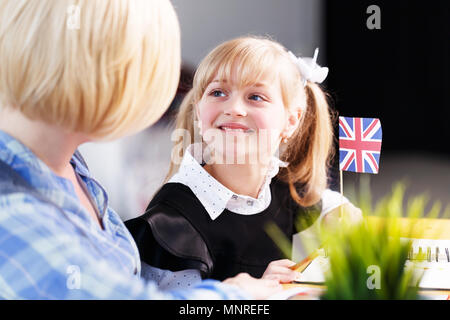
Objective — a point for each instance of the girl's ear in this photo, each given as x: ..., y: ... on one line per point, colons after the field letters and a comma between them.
x: 293, y: 121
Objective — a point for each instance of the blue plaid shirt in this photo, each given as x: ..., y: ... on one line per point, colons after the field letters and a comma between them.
x: 61, y: 253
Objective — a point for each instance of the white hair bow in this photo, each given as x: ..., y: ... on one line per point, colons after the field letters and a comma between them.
x: 309, y: 69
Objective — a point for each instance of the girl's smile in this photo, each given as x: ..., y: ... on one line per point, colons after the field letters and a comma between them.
x: 234, y: 128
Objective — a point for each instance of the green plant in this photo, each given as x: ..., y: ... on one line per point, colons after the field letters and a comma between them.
x: 367, y: 260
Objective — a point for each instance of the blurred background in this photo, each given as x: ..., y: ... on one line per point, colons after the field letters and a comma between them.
x: 399, y: 74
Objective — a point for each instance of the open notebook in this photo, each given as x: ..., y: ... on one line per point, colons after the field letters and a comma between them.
x: 436, y: 266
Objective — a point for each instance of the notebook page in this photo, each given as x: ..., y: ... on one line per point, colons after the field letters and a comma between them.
x: 435, y: 269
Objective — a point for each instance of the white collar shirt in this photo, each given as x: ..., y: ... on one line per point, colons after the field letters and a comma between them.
x: 214, y: 196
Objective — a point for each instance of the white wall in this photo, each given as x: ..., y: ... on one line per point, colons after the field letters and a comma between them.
x: 297, y: 24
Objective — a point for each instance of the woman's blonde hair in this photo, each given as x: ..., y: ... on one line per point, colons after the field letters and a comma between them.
x: 309, y: 150
x: 112, y: 75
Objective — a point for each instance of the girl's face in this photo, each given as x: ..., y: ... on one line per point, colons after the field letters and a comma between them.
x: 243, y: 124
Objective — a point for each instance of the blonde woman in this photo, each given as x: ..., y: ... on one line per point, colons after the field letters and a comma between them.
x: 72, y: 72
x: 262, y: 157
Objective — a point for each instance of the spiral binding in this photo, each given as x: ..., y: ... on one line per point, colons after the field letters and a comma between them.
x: 428, y: 254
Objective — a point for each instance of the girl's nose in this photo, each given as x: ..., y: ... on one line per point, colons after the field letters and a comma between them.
x: 235, y: 108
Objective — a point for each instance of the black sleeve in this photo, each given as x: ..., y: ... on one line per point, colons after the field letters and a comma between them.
x: 167, y: 240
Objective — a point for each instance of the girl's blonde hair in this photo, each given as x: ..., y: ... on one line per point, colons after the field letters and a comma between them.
x: 309, y: 150
x: 113, y: 74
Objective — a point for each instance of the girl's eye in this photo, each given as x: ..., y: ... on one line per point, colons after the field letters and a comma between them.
x: 217, y: 93
x: 256, y: 97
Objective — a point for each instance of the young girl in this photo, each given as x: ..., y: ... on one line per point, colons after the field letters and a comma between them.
x: 251, y: 101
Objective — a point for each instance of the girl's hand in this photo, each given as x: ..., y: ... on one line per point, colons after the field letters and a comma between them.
x: 259, y: 288
x: 279, y: 270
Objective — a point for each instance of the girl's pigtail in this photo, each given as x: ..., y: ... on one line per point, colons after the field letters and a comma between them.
x: 309, y: 151
x: 184, y: 134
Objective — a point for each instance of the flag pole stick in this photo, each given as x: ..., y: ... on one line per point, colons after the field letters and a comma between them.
x: 341, y: 178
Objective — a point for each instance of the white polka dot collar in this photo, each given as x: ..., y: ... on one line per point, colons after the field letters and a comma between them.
x: 214, y: 196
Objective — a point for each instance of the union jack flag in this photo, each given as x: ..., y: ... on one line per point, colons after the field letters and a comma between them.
x: 359, y: 144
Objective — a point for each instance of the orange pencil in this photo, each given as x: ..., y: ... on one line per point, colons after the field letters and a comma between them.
x: 314, y: 255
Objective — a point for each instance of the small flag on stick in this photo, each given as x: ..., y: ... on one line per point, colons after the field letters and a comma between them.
x: 359, y: 146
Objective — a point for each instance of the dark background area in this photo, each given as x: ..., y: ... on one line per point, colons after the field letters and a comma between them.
x: 400, y: 73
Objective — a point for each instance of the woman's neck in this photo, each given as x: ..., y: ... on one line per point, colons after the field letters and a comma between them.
x: 244, y: 179
x: 53, y: 145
